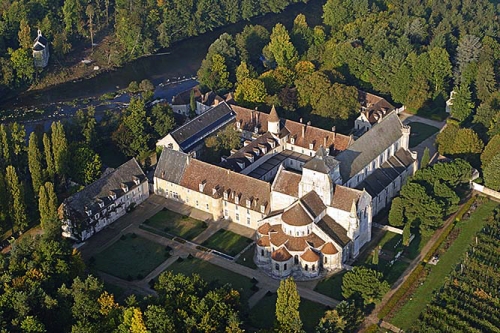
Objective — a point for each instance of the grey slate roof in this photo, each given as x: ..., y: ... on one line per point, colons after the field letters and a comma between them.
x: 334, y: 230
x: 370, y: 145
x: 375, y: 183
x: 313, y: 203
x: 171, y: 165
x: 100, y: 189
x: 189, y: 134
x: 321, y: 162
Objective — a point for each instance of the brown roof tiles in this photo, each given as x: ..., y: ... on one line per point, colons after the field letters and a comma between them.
x: 313, y: 203
x: 264, y: 241
x: 287, y: 182
x: 343, y: 197
x: 296, y: 216
x: 310, y: 256
x: 329, y: 248
x: 281, y: 254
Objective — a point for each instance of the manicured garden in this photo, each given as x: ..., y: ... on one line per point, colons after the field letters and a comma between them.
x: 420, y: 132
x: 262, y: 315
x: 437, y: 275
x: 176, y: 224
x: 131, y: 257
x: 246, y: 258
x: 211, y: 273
x: 228, y: 242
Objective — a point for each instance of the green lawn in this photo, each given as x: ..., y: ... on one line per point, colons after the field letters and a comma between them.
x: 176, y: 224
x: 210, y: 273
x: 246, y: 258
x: 228, y: 242
x: 389, y: 241
x: 131, y: 257
x: 405, y: 317
x: 331, y: 286
x: 420, y: 132
x: 262, y: 315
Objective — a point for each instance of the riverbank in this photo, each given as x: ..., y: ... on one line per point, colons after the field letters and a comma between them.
x: 182, y: 59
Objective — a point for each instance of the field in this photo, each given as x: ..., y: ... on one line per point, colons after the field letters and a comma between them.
x: 131, y: 257
x: 176, y: 224
x: 211, y: 273
x: 420, y: 132
x: 263, y: 314
x: 228, y: 242
x: 469, y: 300
x: 246, y: 258
x: 441, y: 272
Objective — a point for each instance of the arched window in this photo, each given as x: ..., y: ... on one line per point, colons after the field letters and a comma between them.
x: 284, y: 267
x: 313, y: 267
x: 326, y: 259
x: 296, y: 259
x: 262, y: 252
x: 306, y: 267
x: 277, y: 267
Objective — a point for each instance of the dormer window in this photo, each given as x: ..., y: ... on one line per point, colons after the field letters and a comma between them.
x: 88, y: 211
x: 271, y: 142
x: 249, y: 157
x: 101, y: 203
x: 112, y: 195
x: 238, y: 124
x: 96, y: 216
x: 201, y: 186
x: 137, y: 181
x: 262, y: 208
x: 256, y: 151
x: 311, y: 145
x: 263, y: 148
x: 256, y: 130
x: 124, y: 187
x: 237, y: 199
x: 292, y: 140
x: 248, y: 203
x: 226, y: 195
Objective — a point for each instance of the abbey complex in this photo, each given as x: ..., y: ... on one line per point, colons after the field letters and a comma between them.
x: 309, y: 193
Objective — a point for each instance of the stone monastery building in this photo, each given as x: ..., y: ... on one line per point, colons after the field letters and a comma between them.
x: 309, y: 193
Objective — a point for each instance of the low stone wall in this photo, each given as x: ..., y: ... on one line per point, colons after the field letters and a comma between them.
x: 389, y: 228
x: 486, y: 191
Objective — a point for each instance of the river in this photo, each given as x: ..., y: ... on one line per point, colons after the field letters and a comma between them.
x: 181, y: 60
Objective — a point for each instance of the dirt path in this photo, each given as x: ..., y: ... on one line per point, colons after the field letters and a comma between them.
x: 373, y: 317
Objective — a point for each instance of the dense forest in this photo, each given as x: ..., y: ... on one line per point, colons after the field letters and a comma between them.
x: 134, y: 27
x: 412, y: 52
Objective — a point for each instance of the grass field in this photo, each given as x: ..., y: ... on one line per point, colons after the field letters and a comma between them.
x: 405, y: 317
x: 131, y: 257
x: 246, y: 258
x: 420, y: 132
x: 228, y: 242
x: 176, y: 224
x: 390, y: 240
x: 211, y: 273
x: 263, y: 314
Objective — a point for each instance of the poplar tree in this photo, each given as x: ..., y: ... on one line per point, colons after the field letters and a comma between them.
x: 18, y: 142
x: 6, y: 148
x: 425, y: 158
x: 287, y: 307
x: 47, y: 204
x: 17, y: 205
x: 59, y: 148
x: 281, y: 47
x: 35, y: 162
x: 4, y: 204
x: 49, y: 156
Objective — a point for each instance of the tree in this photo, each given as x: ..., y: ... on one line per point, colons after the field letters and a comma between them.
x: 214, y: 74
x: 22, y: 64
x: 287, y: 307
x: 406, y: 234
x: 425, y: 158
x: 59, y: 148
x: 132, y: 134
x: 282, y: 49
x: 35, y: 162
x: 24, y: 35
x: 163, y: 119
x: 458, y: 141
x: 146, y: 85
x: 468, y: 50
x: 491, y: 174
x: 90, y: 14
x: 49, y: 157
x: 17, y: 204
x: 440, y: 68
x: 421, y: 207
x: 485, y: 81
x: 47, y: 205
x: 462, y: 103
x: 192, y: 104
x: 250, y: 43
x: 491, y: 150
x: 87, y: 124
x: 337, y: 13
x: 331, y: 322
x: 375, y: 256
x: 244, y: 71
x: 250, y: 92
x: 365, y: 283
x: 86, y: 165
x: 396, y: 214
x: 6, y: 145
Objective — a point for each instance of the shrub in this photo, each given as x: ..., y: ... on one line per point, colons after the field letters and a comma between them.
x: 254, y: 288
x: 140, y: 277
x: 133, y: 87
x: 255, y: 281
x: 168, y: 248
x: 123, y: 237
x: 134, y: 235
x: 204, y: 225
x: 146, y: 85
x: 190, y: 256
x: 180, y: 259
x: 151, y: 283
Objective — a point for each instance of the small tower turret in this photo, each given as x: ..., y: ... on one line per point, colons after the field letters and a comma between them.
x: 273, y: 122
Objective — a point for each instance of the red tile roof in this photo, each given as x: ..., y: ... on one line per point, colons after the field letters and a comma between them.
x: 310, y: 256
x: 281, y: 254
x: 263, y: 241
x: 329, y: 248
x: 343, y: 197
x: 287, y: 182
x: 296, y: 216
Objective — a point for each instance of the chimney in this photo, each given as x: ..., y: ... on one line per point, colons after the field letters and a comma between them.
x: 324, y: 141
x: 188, y: 159
x: 300, y: 120
x: 303, y: 131
x: 334, y: 128
x: 309, y: 123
